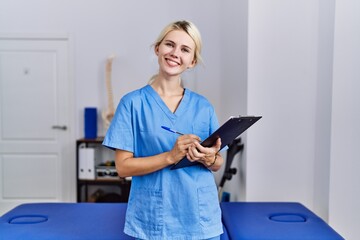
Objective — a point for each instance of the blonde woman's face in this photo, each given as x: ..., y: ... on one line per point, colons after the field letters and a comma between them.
x: 176, y: 53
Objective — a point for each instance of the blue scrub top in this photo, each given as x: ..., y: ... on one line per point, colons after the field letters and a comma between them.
x: 166, y: 204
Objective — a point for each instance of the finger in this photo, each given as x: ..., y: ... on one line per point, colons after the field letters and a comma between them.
x: 195, y: 152
x: 190, y: 158
x: 218, y: 144
x: 191, y: 153
x: 199, y: 147
x: 186, y: 140
x: 194, y: 137
x: 216, y: 147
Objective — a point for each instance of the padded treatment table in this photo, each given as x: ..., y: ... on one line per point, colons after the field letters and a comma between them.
x: 80, y: 221
x: 64, y: 221
x: 274, y: 220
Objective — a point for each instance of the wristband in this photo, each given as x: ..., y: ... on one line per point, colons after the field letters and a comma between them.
x: 213, y: 161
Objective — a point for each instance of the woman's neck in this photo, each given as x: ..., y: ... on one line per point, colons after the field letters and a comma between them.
x: 168, y: 86
x: 170, y: 91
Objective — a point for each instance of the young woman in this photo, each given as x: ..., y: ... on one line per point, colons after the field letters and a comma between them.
x: 165, y: 203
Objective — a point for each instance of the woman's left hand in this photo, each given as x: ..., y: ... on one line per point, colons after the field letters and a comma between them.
x: 206, y: 156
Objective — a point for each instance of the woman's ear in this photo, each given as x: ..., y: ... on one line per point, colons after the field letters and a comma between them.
x: 156, y: 50
x: 193, y: 63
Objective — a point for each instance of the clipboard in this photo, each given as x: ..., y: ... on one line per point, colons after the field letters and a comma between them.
x: 230, y: 130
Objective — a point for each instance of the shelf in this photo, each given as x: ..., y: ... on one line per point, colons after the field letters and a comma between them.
x: 103, y: 180
x: 92, y: 140
x: 112, y: 189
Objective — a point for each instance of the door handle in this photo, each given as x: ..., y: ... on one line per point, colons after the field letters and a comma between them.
x: 59, y: 127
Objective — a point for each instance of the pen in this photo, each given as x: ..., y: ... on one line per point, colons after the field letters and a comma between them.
x: 171, y: 130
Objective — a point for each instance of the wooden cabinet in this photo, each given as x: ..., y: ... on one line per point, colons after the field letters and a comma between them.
x: 96, y: 177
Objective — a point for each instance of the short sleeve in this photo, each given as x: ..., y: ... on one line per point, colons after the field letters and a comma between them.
x: 120, y: 133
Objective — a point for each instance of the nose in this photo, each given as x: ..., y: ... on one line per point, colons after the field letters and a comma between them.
x: 175, y: 52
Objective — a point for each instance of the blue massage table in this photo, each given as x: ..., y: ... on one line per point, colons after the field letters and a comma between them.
x: 241, y: 220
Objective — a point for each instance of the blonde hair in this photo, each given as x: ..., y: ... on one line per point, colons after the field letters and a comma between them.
x: 190, y: 29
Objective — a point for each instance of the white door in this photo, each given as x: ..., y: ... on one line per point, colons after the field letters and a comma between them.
x: 37, y: 156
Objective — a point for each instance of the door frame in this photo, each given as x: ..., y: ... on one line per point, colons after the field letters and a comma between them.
x: 68, y: 170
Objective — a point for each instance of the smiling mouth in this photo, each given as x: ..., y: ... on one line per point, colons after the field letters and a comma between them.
x: 172, y: 62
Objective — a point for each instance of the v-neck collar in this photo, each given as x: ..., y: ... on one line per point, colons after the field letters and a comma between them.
x: 179, y: 110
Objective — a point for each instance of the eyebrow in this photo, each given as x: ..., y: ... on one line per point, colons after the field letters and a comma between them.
x: 167, y: 40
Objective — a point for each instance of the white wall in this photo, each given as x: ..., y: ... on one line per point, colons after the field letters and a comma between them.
x: 282, y: 83
x: 126, y: 28
x: 344, y: 211
x: 303, y: 72
x: 233, y: 45
x: 323, y: 106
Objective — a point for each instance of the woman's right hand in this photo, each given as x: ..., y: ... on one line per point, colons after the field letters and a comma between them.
x: 181, y: 146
